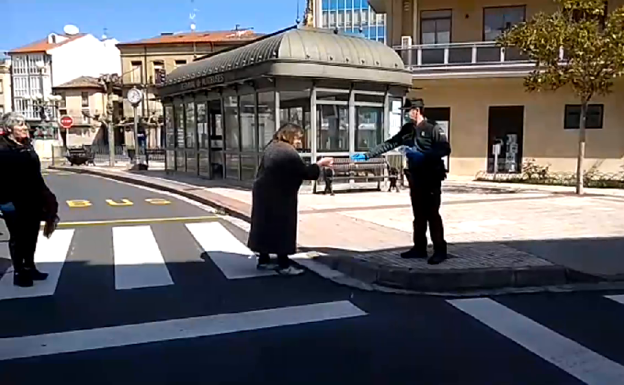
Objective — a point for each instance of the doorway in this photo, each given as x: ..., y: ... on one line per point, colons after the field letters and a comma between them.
x: 505, y: 128
x: 442, y: 116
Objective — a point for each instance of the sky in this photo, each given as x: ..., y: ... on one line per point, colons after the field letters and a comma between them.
x: 26, y: 21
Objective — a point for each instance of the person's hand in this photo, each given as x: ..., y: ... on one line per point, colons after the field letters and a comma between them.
x: 325, y: 162
x: 359, y: 157
x: 50, y: 226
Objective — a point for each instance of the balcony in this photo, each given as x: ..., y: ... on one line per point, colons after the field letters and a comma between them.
x: 463, y: 60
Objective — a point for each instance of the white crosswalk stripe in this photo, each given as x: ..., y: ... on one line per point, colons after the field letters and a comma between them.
x: 50, y: 257
x: 138, y: 261
x: 232, y: 257
x: 577, y: 360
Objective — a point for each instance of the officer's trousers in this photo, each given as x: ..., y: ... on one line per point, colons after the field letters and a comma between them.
x: 425, y: 195
x: 24, y: 232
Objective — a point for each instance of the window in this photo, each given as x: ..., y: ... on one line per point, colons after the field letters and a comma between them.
x: 1, y: 109
x: 179, y: 126
x: 191, y: 128
x: 169, y: 127
x: 135, y: 72
x: 435, y: 27
x: 266, y: 117
x: 499, y: 19
x: 85, y: 99
x: 159, y: 68
x: 572, y: 117
x: 248, y: 122
x: 179, y: 63
x: 63, y: 101
x: 231, y: 123
x: 1, y: 86
x: 368, y: 127
x: 333, y: 128
x: 85, y: 117
x: 202, y: 126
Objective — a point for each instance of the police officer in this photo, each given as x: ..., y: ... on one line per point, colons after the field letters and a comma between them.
x: 424, y: 144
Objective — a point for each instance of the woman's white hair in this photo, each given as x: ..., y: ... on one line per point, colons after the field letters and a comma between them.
x: 10, y: 120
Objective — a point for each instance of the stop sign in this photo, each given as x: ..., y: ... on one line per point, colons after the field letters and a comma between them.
x: 67, y: 122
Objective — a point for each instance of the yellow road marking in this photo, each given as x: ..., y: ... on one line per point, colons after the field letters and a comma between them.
x: 158, y: 201
x: 124, y: 202
x: 137, y: 221
x: 78, y: 203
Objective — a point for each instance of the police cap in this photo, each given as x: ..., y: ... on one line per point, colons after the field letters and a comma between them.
x: 413, y: 103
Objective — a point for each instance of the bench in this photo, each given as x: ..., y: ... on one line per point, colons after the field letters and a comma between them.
x: 370, y: 170
x: 80, y: 155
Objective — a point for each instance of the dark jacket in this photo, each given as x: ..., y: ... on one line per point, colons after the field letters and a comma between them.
x: 22, y: 182
x: 274, y: 199
x: 428, y: 138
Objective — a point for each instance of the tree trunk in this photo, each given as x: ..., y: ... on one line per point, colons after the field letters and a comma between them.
x: 581, y: 148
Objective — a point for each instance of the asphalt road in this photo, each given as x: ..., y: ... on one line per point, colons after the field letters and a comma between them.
x: 175, y: 302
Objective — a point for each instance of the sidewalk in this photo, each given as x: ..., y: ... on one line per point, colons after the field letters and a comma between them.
x: 499, y: 235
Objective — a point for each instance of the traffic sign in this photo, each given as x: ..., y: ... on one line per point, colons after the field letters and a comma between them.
x: 67, y: 122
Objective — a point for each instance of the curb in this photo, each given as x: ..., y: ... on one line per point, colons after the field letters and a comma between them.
x: 372, y: 276
x: 445, y: 281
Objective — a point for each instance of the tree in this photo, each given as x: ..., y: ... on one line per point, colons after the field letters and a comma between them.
x: 580, y: 46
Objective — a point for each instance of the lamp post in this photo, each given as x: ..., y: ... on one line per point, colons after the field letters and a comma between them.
x: 41, y: 104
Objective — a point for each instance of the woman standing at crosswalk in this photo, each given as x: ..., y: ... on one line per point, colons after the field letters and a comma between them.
x: 25, y: 200
x: 274, y: 198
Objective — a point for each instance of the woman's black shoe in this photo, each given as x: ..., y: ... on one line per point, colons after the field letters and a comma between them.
x: 22, y: 279
x: 37, y: 275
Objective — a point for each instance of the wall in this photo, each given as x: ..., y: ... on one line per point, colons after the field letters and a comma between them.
x: 86, y: 56
x: 544, y: 136
x: 467, y: 18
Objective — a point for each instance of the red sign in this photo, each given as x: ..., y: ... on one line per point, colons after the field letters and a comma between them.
x: 67, y: 122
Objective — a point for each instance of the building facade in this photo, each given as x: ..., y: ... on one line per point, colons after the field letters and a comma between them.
x: 84, y: 100
x: 5, y: 85
x: 38, y: 67
x: 475, y: 88
x: 350, y: 16
x: 146, y: 63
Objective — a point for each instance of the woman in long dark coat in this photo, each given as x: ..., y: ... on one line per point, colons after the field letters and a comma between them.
x: 25, y: 199
x: 274, y: 199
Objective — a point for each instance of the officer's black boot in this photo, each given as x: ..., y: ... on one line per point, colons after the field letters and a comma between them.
x: 439, y: 255
x: 21, y: 278
x: 36, y: 275
x: 414, y: 252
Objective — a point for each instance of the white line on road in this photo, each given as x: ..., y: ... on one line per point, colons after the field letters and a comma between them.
x: 138, y: 261
x: 126, y: 335
x: 49, y: 257
x: 616, y: 298
x: 231, y: 256
x: 575, y: 359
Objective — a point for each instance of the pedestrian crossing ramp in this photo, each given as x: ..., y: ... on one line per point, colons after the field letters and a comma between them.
x: 137, y: 255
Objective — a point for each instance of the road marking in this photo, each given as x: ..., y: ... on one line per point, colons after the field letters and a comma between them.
x: 138, y: 261
x: 142, y: 221
x: 564, y: 353
x: 124, y: 202
x: 78, y: 203
x: 616, y: 298
x: 49, y: 257
x: 231, y: 256
x: 158, y: 201
x: 176, y: 329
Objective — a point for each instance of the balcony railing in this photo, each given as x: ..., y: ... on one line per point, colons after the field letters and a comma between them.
x: 460, y: 56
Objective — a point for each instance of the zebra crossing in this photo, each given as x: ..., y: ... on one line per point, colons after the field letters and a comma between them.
x: 137, y: 257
